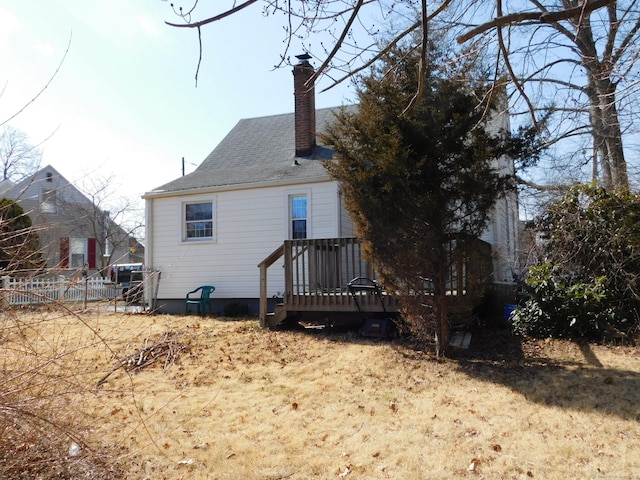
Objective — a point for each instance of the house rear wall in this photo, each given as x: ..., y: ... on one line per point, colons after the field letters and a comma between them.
x: 249, y: 225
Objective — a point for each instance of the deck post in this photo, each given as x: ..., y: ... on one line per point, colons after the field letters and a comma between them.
x: 264, y: 266
x: 263, y: 295
x: 288, y: 272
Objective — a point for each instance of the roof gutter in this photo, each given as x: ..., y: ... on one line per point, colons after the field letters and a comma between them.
x: 231, y: 188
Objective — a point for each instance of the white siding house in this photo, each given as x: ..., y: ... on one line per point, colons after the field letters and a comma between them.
x: 247, y: 225
x: 502, y: 231
x: 263, y: 184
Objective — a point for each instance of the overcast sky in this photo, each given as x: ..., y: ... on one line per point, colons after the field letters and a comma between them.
x: 124, y: 101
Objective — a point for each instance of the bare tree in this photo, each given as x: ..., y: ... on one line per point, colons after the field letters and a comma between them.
x: 18, y: 158
x: 573, y: 58
x: 112, y: 219
x: 577, y: 59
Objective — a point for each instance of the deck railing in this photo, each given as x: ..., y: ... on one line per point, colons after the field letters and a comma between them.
x: 317, y: 273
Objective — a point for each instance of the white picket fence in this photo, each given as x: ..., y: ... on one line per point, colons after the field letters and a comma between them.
x: 32, y: 291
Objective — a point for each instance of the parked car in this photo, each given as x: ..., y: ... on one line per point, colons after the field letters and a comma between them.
x: 129, y: 277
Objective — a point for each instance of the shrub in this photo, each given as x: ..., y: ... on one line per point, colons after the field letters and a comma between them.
x: 565, y: 307
x: 587, y: 284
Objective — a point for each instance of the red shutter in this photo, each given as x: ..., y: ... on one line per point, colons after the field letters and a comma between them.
x: 64, y: 252
x: 91, y: 252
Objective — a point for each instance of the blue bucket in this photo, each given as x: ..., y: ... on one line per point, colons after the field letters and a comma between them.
x: 509, y: 308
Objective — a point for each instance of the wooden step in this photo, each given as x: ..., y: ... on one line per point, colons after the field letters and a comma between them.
x: 276, y: 317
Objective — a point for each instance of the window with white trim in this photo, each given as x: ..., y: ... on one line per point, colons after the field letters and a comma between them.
x: 298, y: 216
x: 48, y: 201
x: 77, y: 252
x: 198, y: 221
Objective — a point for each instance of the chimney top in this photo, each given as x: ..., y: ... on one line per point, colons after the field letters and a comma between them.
x: 304, y: 58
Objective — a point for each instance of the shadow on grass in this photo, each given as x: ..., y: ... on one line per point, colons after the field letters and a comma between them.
x: 525, y: 367
x: 496, y: 356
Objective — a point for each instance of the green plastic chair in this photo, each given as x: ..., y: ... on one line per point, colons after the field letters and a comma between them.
x: 202, y: 303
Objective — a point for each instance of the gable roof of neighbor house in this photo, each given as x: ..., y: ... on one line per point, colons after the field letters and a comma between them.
x: 29, y: 188
x: 258, y: 151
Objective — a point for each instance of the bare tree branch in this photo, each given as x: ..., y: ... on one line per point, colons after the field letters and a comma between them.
x: 206, y: 21
x: 24, y: 107
x: 626, y: 42
x: 555, y: 188
x: 422, y: 66
x: 378, y: 56
x: 512, y: 74
x: 338, y: 45
x: 544, y: 17
x: 390, y: 45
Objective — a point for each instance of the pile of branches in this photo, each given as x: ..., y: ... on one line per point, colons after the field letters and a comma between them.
x: 166, y: 349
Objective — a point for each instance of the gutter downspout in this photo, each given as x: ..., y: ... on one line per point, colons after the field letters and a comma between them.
x: 148, y: 238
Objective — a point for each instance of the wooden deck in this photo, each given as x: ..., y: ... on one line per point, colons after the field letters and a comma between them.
x: 317, y: 273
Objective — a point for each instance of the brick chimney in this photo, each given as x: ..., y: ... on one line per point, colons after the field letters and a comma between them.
x: 305, y: 107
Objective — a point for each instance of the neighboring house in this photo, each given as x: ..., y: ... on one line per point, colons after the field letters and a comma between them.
x: 264, y: 183
x: 72, y: 232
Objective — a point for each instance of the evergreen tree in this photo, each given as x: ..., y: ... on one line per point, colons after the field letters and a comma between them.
x: 19, y: 244
x: 413, y: 178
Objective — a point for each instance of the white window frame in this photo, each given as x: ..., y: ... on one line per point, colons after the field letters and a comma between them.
x: 290, y: 195
x: 78, y: 247
x: 184, y: 221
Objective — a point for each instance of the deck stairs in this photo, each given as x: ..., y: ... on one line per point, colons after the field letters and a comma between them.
x: 277, y: 317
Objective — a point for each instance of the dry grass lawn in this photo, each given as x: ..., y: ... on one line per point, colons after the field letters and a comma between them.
x: 228, y: 400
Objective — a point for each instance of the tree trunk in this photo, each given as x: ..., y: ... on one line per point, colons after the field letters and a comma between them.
x: 612, y: 136
x: 607, y: 136
x: 440, y: 302
x: 601, y: 91
x: 442, y: 326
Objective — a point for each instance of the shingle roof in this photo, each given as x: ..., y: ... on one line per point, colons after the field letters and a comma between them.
x: 5, y: 186
x: 257, y: 150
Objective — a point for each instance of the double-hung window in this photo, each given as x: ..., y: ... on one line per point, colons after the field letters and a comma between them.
x: 48, y: 203
x: 198, y: 221
x: 298, y: 215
